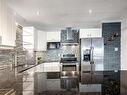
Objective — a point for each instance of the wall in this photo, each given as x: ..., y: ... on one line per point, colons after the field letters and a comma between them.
x: 52, y: 55
x: 112, y: 49
x: 55, y: 55
x: 7, y: 24
x: 124, y: 57
x: 19, y: 53
x: 111, y: 32
x: 124, y: 45
x: 70, y: 50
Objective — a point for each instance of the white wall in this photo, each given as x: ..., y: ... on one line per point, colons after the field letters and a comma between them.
x: 7, y: 24
x: 124, y: 45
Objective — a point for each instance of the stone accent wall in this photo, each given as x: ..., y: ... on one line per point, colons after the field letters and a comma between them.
x: 19, y: 53
x: 7, y: 58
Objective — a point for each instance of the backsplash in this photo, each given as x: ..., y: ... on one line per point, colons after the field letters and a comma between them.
x: 55, y: 55
x: 52, y: 55
x: 70, y: 50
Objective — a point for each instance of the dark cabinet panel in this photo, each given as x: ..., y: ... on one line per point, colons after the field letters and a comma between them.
x: 111, y: 83
x: 92, y: 78
x: 69, y: 83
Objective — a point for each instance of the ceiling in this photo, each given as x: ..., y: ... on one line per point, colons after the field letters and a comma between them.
x: 57, y: 14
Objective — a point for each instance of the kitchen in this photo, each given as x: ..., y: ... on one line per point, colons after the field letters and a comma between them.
x: 58, y: 57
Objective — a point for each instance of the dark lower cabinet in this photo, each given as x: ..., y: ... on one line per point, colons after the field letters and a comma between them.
x: 111, y: 83
x: 92, y: 78
x: 69, y: 83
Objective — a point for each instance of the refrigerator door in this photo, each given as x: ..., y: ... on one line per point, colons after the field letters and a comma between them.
x: 85, y: 54
x: 92, y: 70
x: 98, y: 52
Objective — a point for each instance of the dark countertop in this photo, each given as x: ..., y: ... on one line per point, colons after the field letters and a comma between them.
x: 11, y: 79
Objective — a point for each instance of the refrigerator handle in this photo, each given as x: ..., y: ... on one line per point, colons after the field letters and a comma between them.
x: 91, y: 55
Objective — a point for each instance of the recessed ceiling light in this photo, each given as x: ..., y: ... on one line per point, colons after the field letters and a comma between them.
x: 38, y: 13
x: 90, y: 11
x: 16, y: 23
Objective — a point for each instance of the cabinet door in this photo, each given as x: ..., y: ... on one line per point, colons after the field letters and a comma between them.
x: 39, y: 82
x: 53, y: 36
x: 90, y: 33
x: 40, y: 41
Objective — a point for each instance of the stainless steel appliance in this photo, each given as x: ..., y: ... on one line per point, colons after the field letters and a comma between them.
x: 69, y: 63
x: 92, y: 51
x: 53, y: 45
x: 69, y: 58
x: 70, y: 35
x: 69, y: 72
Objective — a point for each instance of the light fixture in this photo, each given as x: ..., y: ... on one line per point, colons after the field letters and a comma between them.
x: 73, y: 46
x: 64, y: 73
x: 73, y: 73
x: 90, y: 11
x: 38, y: 13
x: 16, y: 23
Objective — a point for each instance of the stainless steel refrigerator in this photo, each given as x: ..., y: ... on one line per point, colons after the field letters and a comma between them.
x: 92, y: 53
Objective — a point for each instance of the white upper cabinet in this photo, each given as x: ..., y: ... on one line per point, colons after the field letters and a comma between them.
x: 34, y: 39
x: 53, y: 36
x: 40, y: 42
x: 90, y: 33
x: 28, y: 37
x: 7, y: 25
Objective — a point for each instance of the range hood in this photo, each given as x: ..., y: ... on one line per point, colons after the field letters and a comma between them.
x: 70, y: 35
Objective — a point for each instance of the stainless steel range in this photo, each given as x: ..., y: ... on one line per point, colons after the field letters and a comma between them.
x: 69, y: 63
x: 69, y: 72
x: 69, y: 58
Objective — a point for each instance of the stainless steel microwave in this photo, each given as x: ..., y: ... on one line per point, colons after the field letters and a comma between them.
x: 53, y: 45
